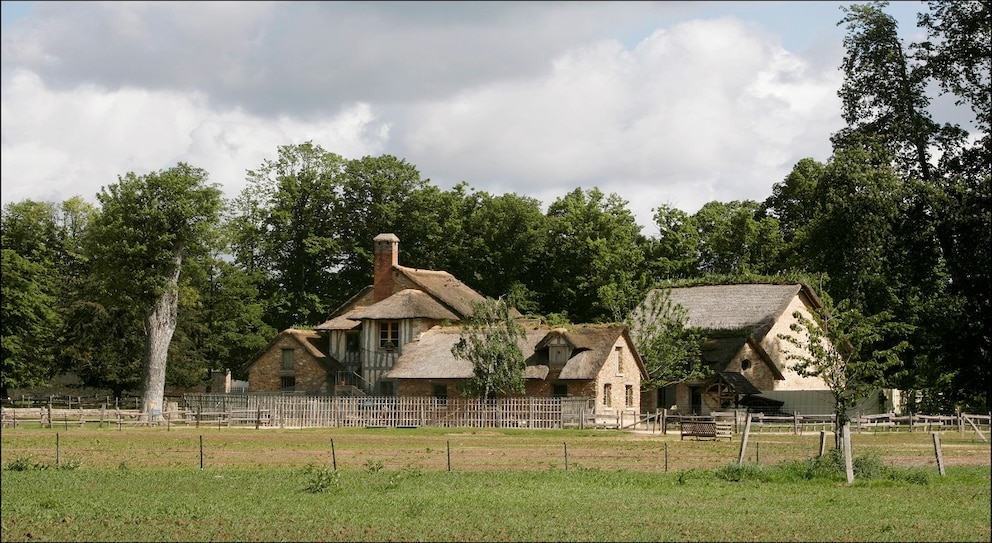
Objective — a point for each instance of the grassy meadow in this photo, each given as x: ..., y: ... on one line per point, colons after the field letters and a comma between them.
x: 145, y: 484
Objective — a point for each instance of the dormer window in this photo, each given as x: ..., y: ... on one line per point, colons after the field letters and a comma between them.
x: 559, y: 351
x: 389, y: 335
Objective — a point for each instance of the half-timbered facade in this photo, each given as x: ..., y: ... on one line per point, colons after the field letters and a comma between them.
x: 365, y: 336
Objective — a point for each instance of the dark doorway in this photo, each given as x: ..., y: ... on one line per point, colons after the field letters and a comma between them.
x: 696, y: 400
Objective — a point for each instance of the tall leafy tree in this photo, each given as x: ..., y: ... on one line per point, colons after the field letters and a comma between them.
x: 30, y: 322
x: 942, y: 215
x: 884, y: 91
x: 490, y: 341
x: 593, y: 264
x: 42, y: 271
x: 736, y: 238
x: 384, y: 194
x: 148, y: 226
x: 285, y: 229
x: 675, y: 254
x: 495, y: 243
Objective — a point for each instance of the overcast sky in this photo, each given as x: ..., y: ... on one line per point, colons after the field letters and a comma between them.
x: 660, y: 102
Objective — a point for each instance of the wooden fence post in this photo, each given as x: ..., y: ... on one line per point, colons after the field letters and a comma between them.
x: 566, y: 455
x: 334, y: 456
x: 938, y: 453
x: 848, y: 466
x: 823, y: 442
x: 747, y: 430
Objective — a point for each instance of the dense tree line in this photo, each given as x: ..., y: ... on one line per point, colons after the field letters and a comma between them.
x: 896, y: 221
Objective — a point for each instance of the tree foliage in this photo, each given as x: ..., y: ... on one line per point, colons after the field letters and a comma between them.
x: 147, y: 226
x: 490, y: 341
x: 593, y: 268
x: 840, y: 345
x: 669, y: 348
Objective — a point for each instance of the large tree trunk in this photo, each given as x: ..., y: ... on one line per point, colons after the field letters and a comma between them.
x: 160, y: 324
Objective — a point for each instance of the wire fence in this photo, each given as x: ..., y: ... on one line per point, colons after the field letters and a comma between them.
x: 466, y: 449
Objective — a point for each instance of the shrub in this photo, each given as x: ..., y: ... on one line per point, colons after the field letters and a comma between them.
x: 320, y: 479
x: 742, y: 472
x: 25, y: 464
x: 868, y: 467
x: 373, y: 466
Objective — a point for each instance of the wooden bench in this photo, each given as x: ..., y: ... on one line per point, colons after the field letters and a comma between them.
x: 698, y: 428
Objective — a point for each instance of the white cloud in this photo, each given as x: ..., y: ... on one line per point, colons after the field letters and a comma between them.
x: 676, y: 103
x: 57, y: 144
x: 706, y: 110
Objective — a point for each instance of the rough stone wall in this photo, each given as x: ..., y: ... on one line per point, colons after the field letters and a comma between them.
x: 425, y: 387
x: 266, y: 373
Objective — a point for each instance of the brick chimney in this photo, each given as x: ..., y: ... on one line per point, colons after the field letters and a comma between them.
x: 387, y: 255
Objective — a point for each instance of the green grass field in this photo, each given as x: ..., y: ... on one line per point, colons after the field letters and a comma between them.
x: 145, y: 484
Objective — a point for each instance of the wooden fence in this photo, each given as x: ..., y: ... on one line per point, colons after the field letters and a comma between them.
x: 291, y: 411
x: 370, y: 411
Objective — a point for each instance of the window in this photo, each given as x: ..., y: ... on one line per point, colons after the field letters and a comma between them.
x: 629, y: 395
x: 288, y: 362
x: 441, y: 392
x: 745, y: 364
x: 388, y: 388
x: 619, y: 355
x: 389, y: 334
x: 608, y: 395
x: 287, y: 382
x: 558, y: 354
x: 351, y: 342
x: 559, y: 390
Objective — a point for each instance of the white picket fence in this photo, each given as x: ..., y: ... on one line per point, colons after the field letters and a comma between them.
x: 373, y: 411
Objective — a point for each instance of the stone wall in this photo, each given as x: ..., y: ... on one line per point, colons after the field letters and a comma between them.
x: 266, y: 374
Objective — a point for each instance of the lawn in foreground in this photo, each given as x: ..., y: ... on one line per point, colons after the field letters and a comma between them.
x: 377, y: 504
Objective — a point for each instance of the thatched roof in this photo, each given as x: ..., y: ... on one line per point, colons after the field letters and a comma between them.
x: 405, y: 304
x: 343, y: 322
x: 747, y: 308
x: 430, y: 357
x: 342, y: 310
x: 457, y: 296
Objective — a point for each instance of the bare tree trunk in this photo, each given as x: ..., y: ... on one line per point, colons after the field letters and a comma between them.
x: 160, y: 324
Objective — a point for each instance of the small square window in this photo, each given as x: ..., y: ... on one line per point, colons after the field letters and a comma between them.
x: 287, y: 383
x: 559, y: 390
